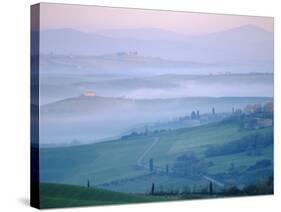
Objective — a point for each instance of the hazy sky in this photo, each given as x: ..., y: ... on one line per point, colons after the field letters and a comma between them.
x: 93, y: 18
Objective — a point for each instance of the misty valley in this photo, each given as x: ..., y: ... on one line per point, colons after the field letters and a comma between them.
x: 154, y: 120
x: 180, y: 133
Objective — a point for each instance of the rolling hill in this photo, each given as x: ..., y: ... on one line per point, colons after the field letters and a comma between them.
x: 96, y: 104
x: 58, y: 195
x: 114, y: 164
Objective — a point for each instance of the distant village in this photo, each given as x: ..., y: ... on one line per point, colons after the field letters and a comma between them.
x: 129, y: 53
x: 253, y: 116
x: 258, y: 116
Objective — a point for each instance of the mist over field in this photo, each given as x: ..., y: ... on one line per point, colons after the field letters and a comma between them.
x: 125, y: 102
x: 159, y: 86
x: 148, y: 81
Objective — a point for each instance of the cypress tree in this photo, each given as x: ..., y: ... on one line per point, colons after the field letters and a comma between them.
x: 211, y: 188
x: 213, y: 111
x: 197, y: 114
x: 152, y: 189
x: 151, y: 165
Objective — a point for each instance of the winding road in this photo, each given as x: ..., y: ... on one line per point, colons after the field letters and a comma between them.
x: 213, y: 181
x: 140, y: 163
x: 142, y: 156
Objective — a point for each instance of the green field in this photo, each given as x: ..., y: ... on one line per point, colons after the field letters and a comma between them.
x: 113, y: 165
x: 57, y: 195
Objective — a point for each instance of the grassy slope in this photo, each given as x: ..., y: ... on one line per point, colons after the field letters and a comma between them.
x: 196, y: 140
x: 109, y: 161
x: 58, y: 195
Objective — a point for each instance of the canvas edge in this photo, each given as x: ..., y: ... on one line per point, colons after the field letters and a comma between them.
x: 34, y: 105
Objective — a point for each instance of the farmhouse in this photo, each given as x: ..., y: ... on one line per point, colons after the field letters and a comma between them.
x: 89, y: 93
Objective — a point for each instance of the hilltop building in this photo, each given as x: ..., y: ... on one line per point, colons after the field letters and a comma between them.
x: 89, y: 93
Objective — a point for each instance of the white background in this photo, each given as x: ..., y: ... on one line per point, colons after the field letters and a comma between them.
x: 14, y: 103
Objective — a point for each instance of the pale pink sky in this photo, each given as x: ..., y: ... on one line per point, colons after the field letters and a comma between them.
x: 93, y: 18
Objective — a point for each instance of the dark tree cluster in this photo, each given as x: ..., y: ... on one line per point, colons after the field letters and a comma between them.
x: 188, y: 165
x: 195, y: 115
x: 264, y: 187
x: 251, y: 144
x: 261, y: 164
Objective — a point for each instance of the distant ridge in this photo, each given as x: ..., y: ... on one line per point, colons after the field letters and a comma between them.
x: 254, y: 44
